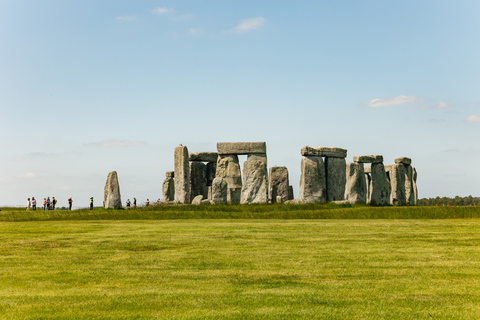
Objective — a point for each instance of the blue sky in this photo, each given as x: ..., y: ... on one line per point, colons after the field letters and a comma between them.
x: 87, y: 87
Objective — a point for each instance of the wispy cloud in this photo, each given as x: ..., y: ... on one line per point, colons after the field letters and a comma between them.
x: 28, y: 175
x: 249, y: 25
x: 393, y: 101
x: 126, y: 18
x: 472, y: 118
x: 443, y: 105
x: 116, y: 143
x: 162, y: 10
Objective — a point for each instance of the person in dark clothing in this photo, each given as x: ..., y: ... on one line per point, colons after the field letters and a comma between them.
x: 91, y: 203
x: 70, y: 201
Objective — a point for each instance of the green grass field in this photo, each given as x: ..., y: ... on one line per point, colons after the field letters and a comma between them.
x: 279, y: 268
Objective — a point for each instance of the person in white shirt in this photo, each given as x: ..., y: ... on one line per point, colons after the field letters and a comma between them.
x: 28, y: 204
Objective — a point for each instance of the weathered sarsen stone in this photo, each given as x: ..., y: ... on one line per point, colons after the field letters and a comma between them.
x: 198, y: 179
x: 111, y: 194
x: 324, y: 152
x: 228, y: 169
x: 335, y: 172
x: 368, y: 159
x: 168, y: 187
x: 241, y: 148
x: 409, y: 185
x: 182, y: 175
x: 397, y: 183
x: 219, y: 191
x: 313, y: 185
x: 380, y: 187
x: 368, y: 182
x: 278, y: 184
x: 415, y: 190
x: 403, y: 160
x: 255, y: 180
x: 356, y: 187
x: 203, y: 156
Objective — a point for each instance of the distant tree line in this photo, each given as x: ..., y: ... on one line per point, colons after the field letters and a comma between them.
x: 445, y: 201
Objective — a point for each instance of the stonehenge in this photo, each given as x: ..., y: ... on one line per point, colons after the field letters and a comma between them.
x: 111, y: 194
x: 217, y: 177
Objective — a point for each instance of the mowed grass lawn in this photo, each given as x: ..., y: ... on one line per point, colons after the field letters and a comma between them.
x: 240, y: 269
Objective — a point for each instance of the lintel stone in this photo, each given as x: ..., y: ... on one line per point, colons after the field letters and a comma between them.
x: 203, y: 156
x: 241, y: 148
x: 403, y: 160
x: 368, y: 159
x: 324, y: 152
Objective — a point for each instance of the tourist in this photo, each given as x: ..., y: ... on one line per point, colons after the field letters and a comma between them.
x: 128, y: 203
x: 44, y: 203
x: 34, y: 204
x: 134, y: 202
x: 91, y: 203
x: 70, y: 201
x: 28, y: 204
x: 48, y: 203
x: 54, y: 202
x: 148, y: 203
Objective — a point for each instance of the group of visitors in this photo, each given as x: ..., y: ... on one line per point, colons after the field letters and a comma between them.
x: 50, y: 204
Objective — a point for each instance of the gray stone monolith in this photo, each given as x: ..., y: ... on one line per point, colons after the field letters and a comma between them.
x: 203, y: 156
x: 182, y: 175
x: 356, y: 187
x: 313, y: 185
x: 219, y: 191
x: 227, y: 148
x: 397, y: 183
x: 111, y: 194
x: 335, y: 173
x: 168, y: 187
x: 228, y: 168
x: 198, y: 179
x: 409, y: 186
x: 290, y: 193
x: 368, y: 182
x: 308, y: 151
x: 255, y: 180
x: 278, y: 183
x: 380, y: 187
x: 415, y: 190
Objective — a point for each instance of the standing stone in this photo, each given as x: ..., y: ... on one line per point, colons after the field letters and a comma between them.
x: 278, y: 184
x: 313, y: 185
x: 198, y: 179
x: 415, y: 184
x: 254, y: 189
x: 228, y: 168
x: 219, y: 191
x: 356, y: 187
x: 182, y: 175
x: 409, y: 185
x: 368, y: 182
x: 380, y: 188
x: 197, y: 200
x: 111, y: 194
x: 290, y: 193
x: 168, y: 188
x: 397, y: 183
x: 335, y: 171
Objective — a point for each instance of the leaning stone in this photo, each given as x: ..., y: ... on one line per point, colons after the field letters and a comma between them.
x: 219, y: 191
x: 335, y: 173
x: 324, y: 152
x: 368, y: 182
x: 397, y: 183
x: 197, y: 200
x: 278, y: 184
x: 254, y: 188
x: 111, y: 194
x: 203, y: 156
x: 313, y: 185
x: 182, y: 175
x: 356, y: 187
x: 415, y: 184
x: 368, y: 159
x: 403, y: 160
x: 409, y: 186
x: 380, y: 188
x: 198, y: 179
x: 241, y: 147
x: 168, y: 190
x: 170, y: 174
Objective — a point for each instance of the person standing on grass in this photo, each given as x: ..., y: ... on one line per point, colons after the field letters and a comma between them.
x: 28, y: 204
x: 134, y: 202
x: 70, y: 201
x: 128, y: 203
x: 54, y: 202
x: 34, y: 204
x: 148, y: 203
x: 44, y: 203
x: 48, y: 203
x: 91, y: 203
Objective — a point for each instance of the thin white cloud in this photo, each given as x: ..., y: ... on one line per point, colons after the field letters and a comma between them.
x: 393, y: 101
x: 249, y: 25
x: 116, y: 143
x: 162, y: 10
x: 443, y: 105
x: 28, y: 175
x: 472, y: 118
x: 126, y: 18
